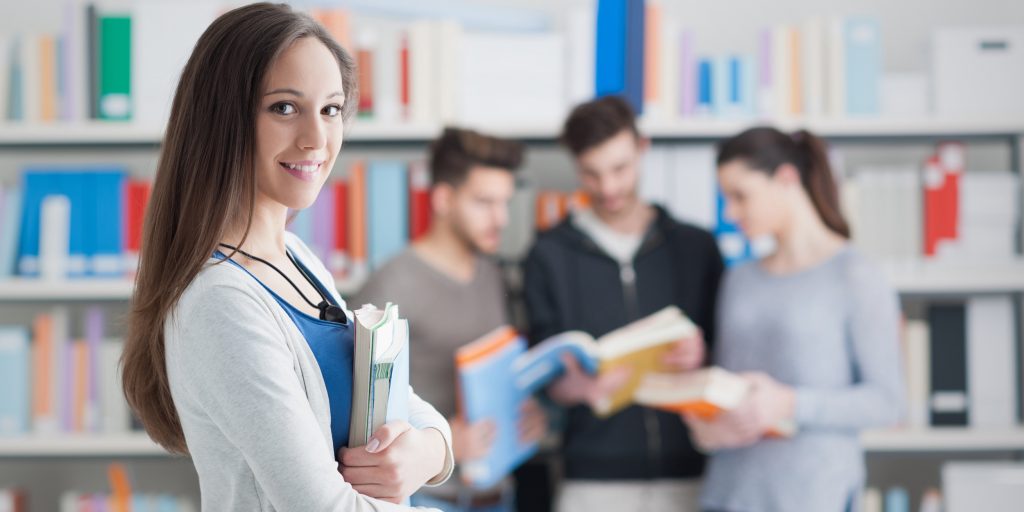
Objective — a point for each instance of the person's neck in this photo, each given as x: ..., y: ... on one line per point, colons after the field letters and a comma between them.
x: 443, y: 250
x: 805, y: 242
x: 632, y: 220
x: 266, y: 234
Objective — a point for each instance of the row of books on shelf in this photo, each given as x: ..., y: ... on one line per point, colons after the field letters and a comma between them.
x: 961, y: 365
x: 903, y: 214
x: 967, y: 486
x: 120, y: 498
x: 122, y: 65
x: 61, y: 376
x: 897, y: 499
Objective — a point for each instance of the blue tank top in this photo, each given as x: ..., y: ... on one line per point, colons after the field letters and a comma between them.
x: 331, y: 343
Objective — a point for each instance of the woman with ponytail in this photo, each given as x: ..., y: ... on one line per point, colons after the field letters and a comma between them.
x: 813, y: 327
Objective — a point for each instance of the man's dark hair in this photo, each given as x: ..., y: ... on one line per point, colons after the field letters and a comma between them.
x: 592, y: 123
x: 458, y: 150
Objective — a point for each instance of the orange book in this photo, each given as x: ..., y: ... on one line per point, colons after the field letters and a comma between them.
x: 80, y: 358
x: 48, y: 77
x: 652, y: 53
x: 44, y: 413
x: 357, y: 217
x: 796, y: 98
x: 364, y: 62
x: 705, y: 393
x: 121, y: 491
x: 336, y: 23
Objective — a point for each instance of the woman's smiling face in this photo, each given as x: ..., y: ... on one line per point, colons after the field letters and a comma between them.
x: 299, y: 127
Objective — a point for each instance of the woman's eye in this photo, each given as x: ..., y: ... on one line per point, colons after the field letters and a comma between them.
x: 283, y: 108
x: 332, y: 110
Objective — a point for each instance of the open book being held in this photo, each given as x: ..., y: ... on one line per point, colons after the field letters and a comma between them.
x: 380, y: 371
x: 705, y: 393
x: 496, y: 373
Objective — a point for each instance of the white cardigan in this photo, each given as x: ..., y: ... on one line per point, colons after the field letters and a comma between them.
x: 252, y: 400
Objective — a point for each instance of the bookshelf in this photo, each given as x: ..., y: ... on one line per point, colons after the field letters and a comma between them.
x: 943, y: 440
x: 115, y: 446
x: 372, y: 133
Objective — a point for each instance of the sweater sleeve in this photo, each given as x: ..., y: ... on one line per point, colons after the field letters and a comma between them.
x: 423, y: 415
x: 237, y: 369
x: 876, y: 397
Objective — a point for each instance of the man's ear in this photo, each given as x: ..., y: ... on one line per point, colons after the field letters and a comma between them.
x: 441, y: 199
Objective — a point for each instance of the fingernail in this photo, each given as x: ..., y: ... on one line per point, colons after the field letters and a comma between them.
x: 372, y: 446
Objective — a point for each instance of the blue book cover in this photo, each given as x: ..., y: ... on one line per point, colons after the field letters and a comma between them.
x: 863, y: 52
x: 734, y: 246
x: 610, y: 48
x: 705, y: 100
x: 81, y: 190
x: 722, y: 87
x: 398, y: 397
x: 897, y: 500
x: 10, y: 222
x: 37, y: 185
x: 634, y: 80
x: 15, y: 389
x: 106, y: 213
x: 388, y: 210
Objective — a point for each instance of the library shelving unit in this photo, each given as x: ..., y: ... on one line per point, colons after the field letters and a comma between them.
x: 920, y: 280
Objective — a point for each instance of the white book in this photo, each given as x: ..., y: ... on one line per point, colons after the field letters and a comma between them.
x: 782, y: 71
x: 387, y: 75
x: 493, y: 85
x: 692, y: 185
x: 449, y: 46
x: 872, y: 500
x: 918, y: 367
x: 580, y: 27
x: 670, y: 68
x: 653, y: 186
x: 813, y: 66
x: 31, y: 76
x: 75, y: 94
x: 835, y: 68
x: 423, y: 72
x: 54, y: 238
x: 6, y: 63
x: 991, y: 370
x: 158, y: 60
x: 982, y: 486
x: 113, y: 407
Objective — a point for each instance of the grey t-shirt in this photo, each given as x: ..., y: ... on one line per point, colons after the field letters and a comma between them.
x: 831, y: 332
x: 444, y: 314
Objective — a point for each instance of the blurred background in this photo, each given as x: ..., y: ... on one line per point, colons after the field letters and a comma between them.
x: 922, y: 103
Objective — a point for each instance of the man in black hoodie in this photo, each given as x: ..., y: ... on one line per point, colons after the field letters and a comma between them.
x: 601, y: 269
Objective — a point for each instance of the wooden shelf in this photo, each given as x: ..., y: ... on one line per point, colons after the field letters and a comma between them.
x: 951, y: 439
x: 134, y: 444
x: 114, y: 133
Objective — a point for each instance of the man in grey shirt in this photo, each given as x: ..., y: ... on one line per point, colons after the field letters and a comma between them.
x: 452, y: 294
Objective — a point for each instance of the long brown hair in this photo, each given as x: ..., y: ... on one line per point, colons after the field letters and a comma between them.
x: 205, y: 176
x: 765, y: 149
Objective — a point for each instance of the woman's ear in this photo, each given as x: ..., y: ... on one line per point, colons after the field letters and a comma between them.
x: 787, y: 174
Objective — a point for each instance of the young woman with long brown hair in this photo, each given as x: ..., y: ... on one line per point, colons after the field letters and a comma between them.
x: 239, y: 347
x: 813, y: 326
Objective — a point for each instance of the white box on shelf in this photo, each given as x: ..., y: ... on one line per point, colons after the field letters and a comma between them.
x: 972, y: 486
x: 904, y: 95
x: 978, y: 71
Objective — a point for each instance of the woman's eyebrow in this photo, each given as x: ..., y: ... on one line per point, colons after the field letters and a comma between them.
x: 298, y: 93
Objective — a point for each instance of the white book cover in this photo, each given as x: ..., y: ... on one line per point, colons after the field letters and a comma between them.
x: 918, y: 368
x: 670, y: 68
x: 653, y: 186
x: 6, y: 63
x: 692, y: 185
x: 813, y: 53
x: 782, y: 71
x: 75, y: 82
x: 450, y: 84
x: 991, y: 370
x: 113, y: 407
x: 835, y: 68
x: 387, y: 74
x: 31, y: 75
x: 501, y: 73
x: 157, y: 59
x: 54, y: 238
x: 872, y: 500
x: 580, y: 28
x: 423, y: 72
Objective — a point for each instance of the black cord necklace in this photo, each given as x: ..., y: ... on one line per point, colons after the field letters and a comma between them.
x: 328, y: 311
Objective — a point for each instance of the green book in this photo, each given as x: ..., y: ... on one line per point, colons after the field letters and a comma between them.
x: 115, y: 56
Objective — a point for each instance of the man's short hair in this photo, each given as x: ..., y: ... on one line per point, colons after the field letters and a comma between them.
x: 592, y: 123
x: 458, y: 150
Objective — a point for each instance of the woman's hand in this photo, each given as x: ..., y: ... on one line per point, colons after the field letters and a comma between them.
x: 686, y: 354
x: 575, y: 386
x: 396, y: 462
x: 768, y: 405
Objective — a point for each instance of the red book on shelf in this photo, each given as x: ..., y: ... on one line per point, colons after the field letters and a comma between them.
x: 364, y: 61
x: 44, y: 412
x: 419, y: 199
x: 136, y: 197
x: 404, y: 75
x: 339, y: 253
x: 941, y: 197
